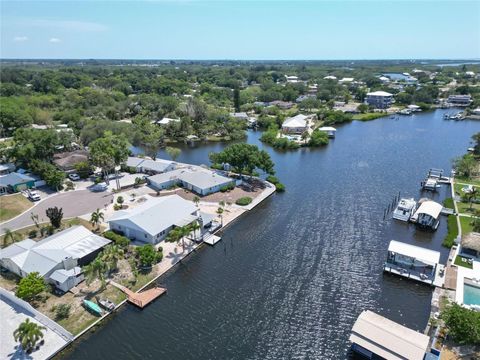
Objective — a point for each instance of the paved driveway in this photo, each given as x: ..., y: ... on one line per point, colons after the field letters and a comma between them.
x: 73, y: 203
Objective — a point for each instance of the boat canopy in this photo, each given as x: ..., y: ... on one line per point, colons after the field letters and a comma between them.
x: 431, y: 208
x: 424, y: 255
x: 327, y: 128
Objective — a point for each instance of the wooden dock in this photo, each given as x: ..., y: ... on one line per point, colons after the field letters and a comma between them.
x: 212, y: 239
x: 437, y: 281
x: 140, y: 299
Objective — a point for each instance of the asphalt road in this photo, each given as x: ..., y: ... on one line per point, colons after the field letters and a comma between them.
x: 73, y: 203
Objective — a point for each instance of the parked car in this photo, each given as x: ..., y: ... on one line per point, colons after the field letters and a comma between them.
x: 99, y: 187
x: 74, y: 177
x: 34, y: 196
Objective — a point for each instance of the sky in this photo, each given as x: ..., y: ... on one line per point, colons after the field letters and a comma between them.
x: 240, y: 29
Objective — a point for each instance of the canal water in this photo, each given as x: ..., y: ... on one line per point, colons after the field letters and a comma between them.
x: 291, y: 276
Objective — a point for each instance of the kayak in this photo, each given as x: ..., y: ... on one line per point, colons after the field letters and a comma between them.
x: 93, y: 307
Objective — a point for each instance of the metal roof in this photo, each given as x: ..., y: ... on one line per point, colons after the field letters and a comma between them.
x: 299, y: 120
x: 379, y: 93
x: 431, y: 208
x: 204, y: 179
x: 156, y: 214
x: 14, y: 179
x: 62, y: 275
x: 388, y: 339
x: 419, y: 253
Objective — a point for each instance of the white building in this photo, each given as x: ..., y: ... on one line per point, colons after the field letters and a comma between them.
x: 346, y: 80
x: 166, y: 121
x: 199, y: 180
x: 330, y: 77
x: 291, y: 78
x: 375, y: 336
x: 151, y: 221
x: 296, y: 125
x: 150, y: 166
x: 379, y: 99
x: 427, y: 215
x: 57, y: 258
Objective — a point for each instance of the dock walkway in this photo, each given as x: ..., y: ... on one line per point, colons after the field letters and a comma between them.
x: 143, y: 298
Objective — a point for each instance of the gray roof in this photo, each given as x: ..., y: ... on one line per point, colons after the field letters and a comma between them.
x: 14, y: 179
x: 159, y: 165
x: 156, y: 214
x: 204, y: 179
x: 63, y: 275
x: 42, y: 256
x: 134, y: 161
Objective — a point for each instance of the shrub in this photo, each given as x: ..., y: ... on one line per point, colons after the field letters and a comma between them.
x: 147, y: 255
x: 30, y: 287
x: 69, y: 185
x: 463, y: 324
x: 62, y: 311
x: 32, y: 234
x: 120, y: 200
x: 318, y: 138
x: 280, y: 187
x: 243, y: 201
x: 117, y: 207
x: 118, y: 239
x: 272, y: 179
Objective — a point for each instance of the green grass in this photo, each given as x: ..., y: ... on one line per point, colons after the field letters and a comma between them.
x: 465, y: 223
x: 462, y: 179
x: 448, y: 203
x: 459, y: 262
x: 368, y: 116
x: 13, y: 205
x: 465, y: 208
x: 452, y: 233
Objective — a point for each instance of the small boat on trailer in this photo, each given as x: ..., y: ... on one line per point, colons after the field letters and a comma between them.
x: 106, y: 304
x: 90, y: 305
x: 404, y: 209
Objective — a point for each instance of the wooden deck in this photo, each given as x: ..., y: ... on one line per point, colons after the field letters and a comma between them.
x: 141, y: 299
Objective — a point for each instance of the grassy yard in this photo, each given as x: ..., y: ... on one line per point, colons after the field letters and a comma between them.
x: 466, y: 208
x: 23, y: 233
x: 368, y: 116
x: 466, y: 225
x: 473, y: 181
x: 459, y: 262
x: 13, y: 205
x: 452, y: 231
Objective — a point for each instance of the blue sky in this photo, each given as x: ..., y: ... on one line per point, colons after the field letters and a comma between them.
x: 196, y: 29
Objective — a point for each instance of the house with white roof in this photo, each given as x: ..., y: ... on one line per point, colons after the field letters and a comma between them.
x: 199, y: 180
x: 427, y: 215
x: 296, y: 125
x: 291, y: 78
x: 379, y: 99
x: 330, y: 77
x: 166, y: 121
x: 346, y: 80
x: 150, y: 166
x: 57, y: 258
x: 151, y: 221
x: 376, y: 337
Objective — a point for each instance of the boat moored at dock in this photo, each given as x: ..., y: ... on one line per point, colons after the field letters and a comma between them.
x: 405, y: 209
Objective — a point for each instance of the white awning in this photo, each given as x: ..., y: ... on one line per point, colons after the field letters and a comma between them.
x: 431, y: 208
x: 388, y: 339
x: 186, y: 220
x: 419, y: 253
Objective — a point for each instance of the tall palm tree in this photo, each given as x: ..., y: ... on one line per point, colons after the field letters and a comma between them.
x: 472, y: 195
x: 111, y: 254
x: 95, y: 270
x: 96, y: 218
x: 220, y: 214
x: 28, y: 334
x: 184, y: 231
x: 196, y: 200
x: 194, y: 227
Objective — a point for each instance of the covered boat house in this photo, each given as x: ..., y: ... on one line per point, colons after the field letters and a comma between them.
x: 414, y: 262
x: 427, y: 215
x: 376, y: 337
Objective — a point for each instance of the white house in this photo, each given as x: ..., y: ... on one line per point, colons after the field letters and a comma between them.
x: 166, y: 121
x: 58, y: 258
x: 150, y: 166
x: 346, y: 80
x: 151, y: 221
x: 291, y: 78
x: 295, y: 125
x: 199, y: 180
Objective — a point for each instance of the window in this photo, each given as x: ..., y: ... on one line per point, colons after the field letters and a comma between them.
x: 145, y: 235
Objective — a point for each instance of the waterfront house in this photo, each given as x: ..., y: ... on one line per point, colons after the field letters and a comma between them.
x: 427, y: 215
x: 413, y: 262
x: 295, y: 125
x: 15, y: 182
x: 57, y: 258
x: 470, y: 245
x: 460, y: 100
x: 379, y: 99
x: 151, y: 221
x: 199, y: 180
x: 150, y: 166
x: 376, y: 337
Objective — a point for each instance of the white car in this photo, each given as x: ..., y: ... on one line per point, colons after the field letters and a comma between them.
x: 33, y: 195
x: 74, y: 177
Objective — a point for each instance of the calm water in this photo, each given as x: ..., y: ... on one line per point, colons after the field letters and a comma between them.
x: 290, y: 277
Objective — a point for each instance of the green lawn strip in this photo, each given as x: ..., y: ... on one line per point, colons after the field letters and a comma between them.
x: 459, y: 262
x: 452, y: 231
x: 465, y: 223
x: 368, y: 116
x: 448, y: 203
x: 461, y: 179
x: 13, y: 205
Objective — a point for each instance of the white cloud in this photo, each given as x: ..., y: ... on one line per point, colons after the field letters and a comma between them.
x: 20, y: 38
x: 69, y: 25
x: 55, y: 40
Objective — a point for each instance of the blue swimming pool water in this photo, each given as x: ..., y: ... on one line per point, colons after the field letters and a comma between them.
x: 471, y: 295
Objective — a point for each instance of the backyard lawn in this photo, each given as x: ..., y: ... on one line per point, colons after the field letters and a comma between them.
x: 13, y: 205
x: 466, y: 226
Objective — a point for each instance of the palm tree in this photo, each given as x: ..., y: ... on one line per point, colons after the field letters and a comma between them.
x: 194, y: 227
x: 96, y: 218
x: 184, y: 231
x: 28, y: 334
x: 95, y: 270
x: 10, y: 237
x: 196, y: 200
x: 219, y: 213
x: 111, y: 255
x: 34, y: 218
x: 472, y: 196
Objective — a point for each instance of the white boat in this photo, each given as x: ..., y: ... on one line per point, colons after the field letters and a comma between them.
x: 430, y: 184
x: 404, y: 209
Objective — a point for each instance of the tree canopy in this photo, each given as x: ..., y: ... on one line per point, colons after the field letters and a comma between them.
x: 244, y: 158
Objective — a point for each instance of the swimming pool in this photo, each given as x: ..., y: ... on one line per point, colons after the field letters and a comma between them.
x: 471, y: 295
